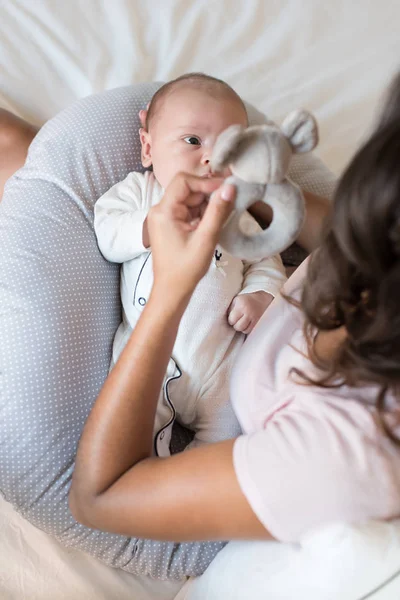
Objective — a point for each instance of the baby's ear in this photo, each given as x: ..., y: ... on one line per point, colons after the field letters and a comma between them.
x: 145, y: 141
x: 226, y: 147
x: 301, y: 130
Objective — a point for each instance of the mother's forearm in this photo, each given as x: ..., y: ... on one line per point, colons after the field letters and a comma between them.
x: 119, y: 430
x: 317, y: 210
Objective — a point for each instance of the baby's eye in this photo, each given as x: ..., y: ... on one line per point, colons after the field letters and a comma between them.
x: 192, y: 140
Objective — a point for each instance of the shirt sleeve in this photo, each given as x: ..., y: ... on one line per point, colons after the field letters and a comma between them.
x: 118, y: 219
x: 267, y: 274
x: 306, y: 470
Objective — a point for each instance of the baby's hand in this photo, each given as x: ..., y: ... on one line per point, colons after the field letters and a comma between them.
x: 246, y: 309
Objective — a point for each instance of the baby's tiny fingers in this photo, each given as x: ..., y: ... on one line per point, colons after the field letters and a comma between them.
x: 249, y: 329
x: 234, y: 316
x: 242, y: 324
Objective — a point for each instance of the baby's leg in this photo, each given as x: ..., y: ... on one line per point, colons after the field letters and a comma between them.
x: 215, y: 420
x: 15, y: 138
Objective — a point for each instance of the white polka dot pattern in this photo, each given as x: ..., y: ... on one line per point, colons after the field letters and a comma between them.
x: 59, y: 309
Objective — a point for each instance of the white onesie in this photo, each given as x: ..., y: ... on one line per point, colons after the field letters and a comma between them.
x: 196, y: 387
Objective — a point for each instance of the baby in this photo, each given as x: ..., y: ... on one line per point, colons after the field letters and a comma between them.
x: 183, y: 122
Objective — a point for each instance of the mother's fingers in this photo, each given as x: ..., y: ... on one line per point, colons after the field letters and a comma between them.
x: 185, y: 200
x: 218, y: 210
x: 184, y: 228
x: 189, y: 190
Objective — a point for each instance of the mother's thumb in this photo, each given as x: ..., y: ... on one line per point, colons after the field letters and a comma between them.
x: 219, y: 208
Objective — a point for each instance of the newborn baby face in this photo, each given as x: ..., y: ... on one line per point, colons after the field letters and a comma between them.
x: 184, y: 130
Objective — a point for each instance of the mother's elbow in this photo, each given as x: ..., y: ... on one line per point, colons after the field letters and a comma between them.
x: 81, y: 507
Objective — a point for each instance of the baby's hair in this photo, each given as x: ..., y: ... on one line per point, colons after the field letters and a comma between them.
x: 211, y: 85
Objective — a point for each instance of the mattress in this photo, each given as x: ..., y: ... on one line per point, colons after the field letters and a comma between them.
x: 335, y: 59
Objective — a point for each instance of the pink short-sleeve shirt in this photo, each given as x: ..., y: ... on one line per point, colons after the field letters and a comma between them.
x: 309, y: 456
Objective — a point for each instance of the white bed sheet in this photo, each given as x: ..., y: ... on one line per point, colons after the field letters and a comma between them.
x: 34, y: 566
x: 334, y: 58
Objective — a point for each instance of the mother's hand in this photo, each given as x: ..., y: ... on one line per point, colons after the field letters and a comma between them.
x: 184, y: 229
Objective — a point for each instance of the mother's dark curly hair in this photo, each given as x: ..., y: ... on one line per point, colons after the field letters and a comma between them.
x: 353, y: 278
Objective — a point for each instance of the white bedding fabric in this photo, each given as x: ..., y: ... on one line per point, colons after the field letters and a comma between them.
x: 34, y: 566
x: 337, y: 563
x: 334, y: 58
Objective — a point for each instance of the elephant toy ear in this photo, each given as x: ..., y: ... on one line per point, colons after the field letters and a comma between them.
x: 227, y: 147
x: 301, y: 130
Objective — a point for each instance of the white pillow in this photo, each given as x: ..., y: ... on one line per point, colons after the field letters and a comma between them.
x: 337, y: 563
x: 60, y: 307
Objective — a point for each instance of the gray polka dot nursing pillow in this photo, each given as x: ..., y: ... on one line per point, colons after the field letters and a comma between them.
x: 59, y: 310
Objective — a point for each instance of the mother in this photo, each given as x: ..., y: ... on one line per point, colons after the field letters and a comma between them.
x: 315, y: 389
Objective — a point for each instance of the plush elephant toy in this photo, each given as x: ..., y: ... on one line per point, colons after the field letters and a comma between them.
x: 259, y: 159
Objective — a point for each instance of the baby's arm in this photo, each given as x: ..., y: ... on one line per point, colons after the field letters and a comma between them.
x: 262, y: 281
x: 120, y: 220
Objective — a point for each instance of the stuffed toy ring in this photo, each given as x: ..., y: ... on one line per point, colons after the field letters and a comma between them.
x: 259, y: 158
